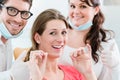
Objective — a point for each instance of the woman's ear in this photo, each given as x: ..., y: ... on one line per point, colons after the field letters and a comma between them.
x: 97, y: 9
x: 37, y: 38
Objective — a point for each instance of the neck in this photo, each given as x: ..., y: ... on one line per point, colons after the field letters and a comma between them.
x: 76, y: 38
x: 53, y: 72
x: 51, y: 65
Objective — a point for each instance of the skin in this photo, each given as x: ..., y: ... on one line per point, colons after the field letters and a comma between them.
x: 14, y: 23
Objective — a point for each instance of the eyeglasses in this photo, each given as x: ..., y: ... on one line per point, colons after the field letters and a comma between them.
x: 13, y: 12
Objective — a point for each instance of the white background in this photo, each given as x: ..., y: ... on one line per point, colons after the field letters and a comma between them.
x: 111, y: 14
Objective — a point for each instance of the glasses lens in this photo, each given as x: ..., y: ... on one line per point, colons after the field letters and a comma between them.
x: 12, y: 11
x: 26, y: 14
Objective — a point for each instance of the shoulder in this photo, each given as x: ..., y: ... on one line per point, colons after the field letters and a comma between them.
x: 71, y: 73
x: 109, y: 43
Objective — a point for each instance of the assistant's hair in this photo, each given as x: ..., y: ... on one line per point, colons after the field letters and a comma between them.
x: 40, y: 25
x: 5, y: 1
x: 97, y: 33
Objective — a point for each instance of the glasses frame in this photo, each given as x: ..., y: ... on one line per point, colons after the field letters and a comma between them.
x: 21, y: 12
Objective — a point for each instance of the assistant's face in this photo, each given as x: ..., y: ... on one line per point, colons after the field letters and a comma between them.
x: 80, y: 12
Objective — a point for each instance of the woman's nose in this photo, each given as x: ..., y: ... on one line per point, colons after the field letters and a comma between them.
x: 76, y: 10
x: 60, y: 38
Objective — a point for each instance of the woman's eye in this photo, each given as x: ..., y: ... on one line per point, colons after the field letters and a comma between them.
x: 64, y: 32
x: 72, y: 6
x: 83, y: 6
x: 52, y: 33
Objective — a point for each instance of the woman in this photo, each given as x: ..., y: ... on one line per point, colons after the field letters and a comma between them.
x: 49, y: 35
x: 86, y: 26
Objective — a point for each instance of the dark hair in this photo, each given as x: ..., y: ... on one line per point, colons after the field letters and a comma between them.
x: 5, y: 1
x: 97, y: 34
x: 40, y: 25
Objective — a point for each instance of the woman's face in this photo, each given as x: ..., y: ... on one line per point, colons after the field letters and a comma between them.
x: 53, y: 38
x: 80, y: 12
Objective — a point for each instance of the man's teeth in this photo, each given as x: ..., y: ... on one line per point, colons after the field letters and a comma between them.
x: 15, y: 25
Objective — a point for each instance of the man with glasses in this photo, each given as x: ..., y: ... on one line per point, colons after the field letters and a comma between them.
x: 14, y: 15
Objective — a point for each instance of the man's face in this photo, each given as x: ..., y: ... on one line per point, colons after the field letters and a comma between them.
x: 14, y: 23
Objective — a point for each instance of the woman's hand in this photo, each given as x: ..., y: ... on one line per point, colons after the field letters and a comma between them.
x: 82, y: 61
x: 37, y: 64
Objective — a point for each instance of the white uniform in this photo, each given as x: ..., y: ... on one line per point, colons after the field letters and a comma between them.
x: 6, y: 56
